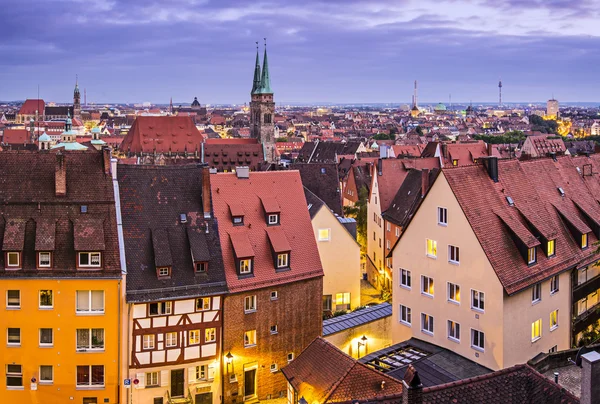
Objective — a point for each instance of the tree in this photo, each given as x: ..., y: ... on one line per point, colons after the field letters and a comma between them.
x: 419, y: 130
x: 383, y: 136
x: 282, y: 139
x: 359, y: 213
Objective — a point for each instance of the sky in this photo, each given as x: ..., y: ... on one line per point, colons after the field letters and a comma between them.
x: 340, y: 51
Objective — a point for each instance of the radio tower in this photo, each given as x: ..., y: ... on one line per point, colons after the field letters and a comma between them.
x: 500, y: 92
x: 85, y: 97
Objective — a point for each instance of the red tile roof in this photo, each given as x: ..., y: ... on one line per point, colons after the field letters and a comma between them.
x: 540, y: 145
x: 279, y: 241
x: 465, y: 153
x: 30, y: 106
x: 16, y: 136
x: 241, y: 244
x: 162, y: 134
x: 286, y: 188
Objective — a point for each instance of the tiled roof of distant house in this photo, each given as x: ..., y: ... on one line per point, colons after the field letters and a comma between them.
x: 162, y: 134
x: 540, y: 145
x: 30, y: 106
x: 16, y: 136
x: 325, y: 152
x: 226, y: 154
x: 322, y: 179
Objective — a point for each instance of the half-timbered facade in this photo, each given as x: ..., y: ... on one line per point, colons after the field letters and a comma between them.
x: 177, y: 284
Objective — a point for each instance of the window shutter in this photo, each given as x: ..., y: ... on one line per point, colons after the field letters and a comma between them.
x: 191, y: 374
x: 142, y: 378
x: 211, y: 372
x: 164, y: 378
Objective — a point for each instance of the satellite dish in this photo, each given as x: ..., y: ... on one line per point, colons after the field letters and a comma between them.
x: 582, y: 351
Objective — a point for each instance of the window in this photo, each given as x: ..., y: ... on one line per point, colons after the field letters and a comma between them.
x: 477, y: 300
x: 13, y: 299
x: 245, y: 266
x: 14, y: 336
x: 201, y: 267
x: 553, y: 319
x: 201, y: 372
x: 238, y: 220
x: 203, y: 303
x: 388, y: 226
x: 455, y: 162
x: 89, y: 259
x: 273, y: 219
x: 90, y: 376
x: 584, y: 240
x: 14, y: 376
x: 397, y: 232
x: 536, y: 293
x: 194, y: 337
x: 290, y: 357
x: 151, y: 379
x: 342, y: 301
x: 13, y: 259
x: 453, y: 293
x: 426, y: 285
x: 453, y: 254
x: 453, y: 331
x: 163, y: 272
x: 387, y: 244
x: 250, y: 304
x: 553, y: 349
x: 46, y: 374
x: 90, y: 338
x: 443, y: 216
x: 426, y: 323
x: 550, y: 248
x: 90, y: 301
x: 171, y: 339
x: 44, y: 260
x: 46, y: 337
x: 250, y: 338
x: 273, y: 367
x: 324, y: 234
x: 46, y: 299
x: 531, y: 255
x: 159, y: 308
x: 148, y: 341
x: 283, y: 260
x: 477, y: 340
x: 554, y: 284
x: 405, y: 315
x: 274, y: 295
x: 431, y: 248
x: 274, y: 329
x: 327, y: 302
x: 210, y: 335
x: 536, y: 330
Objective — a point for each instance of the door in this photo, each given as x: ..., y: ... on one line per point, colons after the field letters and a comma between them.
x: 177, y: 383
x: 204, y: 398
x: 249, y: 383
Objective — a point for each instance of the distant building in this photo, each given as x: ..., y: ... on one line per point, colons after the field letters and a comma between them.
x: 552, y: 108
x: 262, y: 109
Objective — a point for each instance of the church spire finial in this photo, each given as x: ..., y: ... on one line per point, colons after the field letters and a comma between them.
x: 265, y: 81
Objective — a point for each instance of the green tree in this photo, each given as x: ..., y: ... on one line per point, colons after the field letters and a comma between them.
x: 359, y: 213
x: 419, y: 130
x: 383, y: 136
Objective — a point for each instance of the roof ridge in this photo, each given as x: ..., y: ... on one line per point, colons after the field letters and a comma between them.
x: 476, y: 378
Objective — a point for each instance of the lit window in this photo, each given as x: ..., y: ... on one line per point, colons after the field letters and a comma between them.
x: 46, y: 337
x: 553, y: 319
x: 210, y: 335
x: 91, y: 376
x: 442, y: 216
x: 245, y: 266
x: 453, y: 331
x: 46, y: 299
x: 536, y: 293
x: 431, y: 248
x: 250, y: 304
x: 273, y: 219
x: 13, y: 299
x: 477, y: 300
x: 283, y: 260
x: 453, y: 254
x: 324, y: 234
x: 426, y: 323
x: 453, y: 293
x: 89, y: 259
x: 203, y: 303
x: 536, y: 330
x: 427, y: 285
x: 531, y: 255
x: 151, y: 379
x: 14, y: 336
x: 477, y: 340
x: 148, y: 341
x: 13, y: 259
x: 342, y: 301
x: 171, y: 339
x: 455, y: 162
x: 405, y: 315
x: 14, y: 376
x: 194, y: 337
x: 90, y: 302
x: 159, y: 308
x: 274, y: 329
x: 584, y: 240
x: 46, y: 374
x: 554, y: 284
x: 201, y: 372
x: 90, y: 338
x: 550, y: 248
x: 327, y: 302
x: 163, y: 271
x: 405, y: 279
x: 250, y: 338
x: 44, y: 260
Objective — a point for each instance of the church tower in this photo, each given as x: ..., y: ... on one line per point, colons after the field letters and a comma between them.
x: 76, y: 101
x: 262, y: 108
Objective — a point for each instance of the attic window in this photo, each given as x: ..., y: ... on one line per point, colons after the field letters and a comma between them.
x: 531, y: 256
x: 455, y: 162
x: 90, y: 259
x: 584, y: 240
x: 238, y: 220
x: 283, y: 260
x: 245, y: 266
x: 183, y: 218
x: 323, y: 171
x: 44, y: 259
x: 83, y: 209
x: 551, y: 248
x: 561, y: 191
x: 201, y: 267
x: 273, y: 218
x: 13, y: 260
x: 510, y: 201
x: 163, y: 272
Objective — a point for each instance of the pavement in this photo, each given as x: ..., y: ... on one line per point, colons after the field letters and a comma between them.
x: 368, y: 294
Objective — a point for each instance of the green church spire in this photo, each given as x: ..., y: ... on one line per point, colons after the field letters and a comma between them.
x: 265, y: 81
x: 256, y: 83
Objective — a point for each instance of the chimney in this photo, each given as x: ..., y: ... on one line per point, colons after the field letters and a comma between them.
x: 242, y: 172
x: 60, y: 175
x: 106, y: 160
x: 412, y: 389
x: 445, y: 150
x: 206, y: 191
x: 590, y: 388
x: 383, y: 151
x: 424, y: 181
x: 113, y: 168
x: 491, y: 163
x: 490, y: 149
x: 379, y: 167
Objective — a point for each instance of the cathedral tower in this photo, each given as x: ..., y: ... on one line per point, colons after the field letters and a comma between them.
x: 262, y: 108
x: 76, y: 101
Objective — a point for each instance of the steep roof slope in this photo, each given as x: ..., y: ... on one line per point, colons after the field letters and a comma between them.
x: 162, y: 134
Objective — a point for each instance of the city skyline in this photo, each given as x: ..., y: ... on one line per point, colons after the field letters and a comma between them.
x: 330, y: 52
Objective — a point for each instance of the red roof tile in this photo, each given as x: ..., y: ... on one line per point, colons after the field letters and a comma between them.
x: 162, y: 134
x: 278, y: 240
x: 89, y: 234
x: 14, y: 235
x: 16, y: 136
x: 241, y: 245
x: 30, y: 106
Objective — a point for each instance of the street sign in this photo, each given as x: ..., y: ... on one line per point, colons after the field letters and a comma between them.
x: 127, y: 383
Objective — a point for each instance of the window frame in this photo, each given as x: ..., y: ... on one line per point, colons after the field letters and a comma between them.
x: 274, y: 329
x: 163, y: 272
x: 250, y: 304
x: 201, y: 264
x: 328, y: 238
x: 169, y: 342
x: 442, y: 214
x: 164, y: 308
x: 405, y: 315
x: 554, y: 284
x: 148, y: 342
x: 8, y: 336
x: 430, y: 284
x: 453, y: 326
x: 9, y: 266
x: 90, y: 340
x: 89, y: 254
x: 531, y: 255
x: 39, y: 260
x: 536, y: 326
x: 45, y: 307
x: 274, y: 295
x: 270, y: 216
x: 212, y: 331
x: 13, y: 374
x: 46, y: 381
x: 11, y: 306
x: 453, y: 251
x: 405, y: 276
x: 45, y: 344
x: 194, y: 337
x: 245, y: 263
x: 553, y: 244
x: 433, y: 243
x: 249, y: 342
x: 151, y: 379
x: 90, y: 384
x: 536, y: 293
x: 456, y: 288
x: 584, y: 241
x: 283, y: 260
x: 553, y: 320
x: 204, y: 306
x: 480, y: 299
x: 429, y: 319
x: 480, y: 339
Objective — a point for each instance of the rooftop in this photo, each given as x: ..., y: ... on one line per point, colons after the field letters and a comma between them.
x: 356, y: 318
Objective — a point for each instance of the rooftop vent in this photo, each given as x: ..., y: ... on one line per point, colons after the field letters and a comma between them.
x: 243, y: 172
x: 183, y: 218
x: 561, y: 191
x: 510, y: 201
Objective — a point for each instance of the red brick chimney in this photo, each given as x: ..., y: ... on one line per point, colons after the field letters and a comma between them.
x: 206, y: 191
x: 424, y: 181
x: 490, y: 149
x: 412, y: 389
x: 106, y: 160
x: 60, y: 175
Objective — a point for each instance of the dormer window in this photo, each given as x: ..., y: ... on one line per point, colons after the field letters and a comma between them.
x: 283, y: 260
x: 238, y: 220
x: 90, y: 260
x: 245, y: 266
x: 163, y: 272
x: 531, y: 256
x: 455, y: 162
x: 13, y: 260
x: 273, y: 219
x: 201, y: 267
x: 44, y: 259
x: 551, y: 248
x: 584, y: 240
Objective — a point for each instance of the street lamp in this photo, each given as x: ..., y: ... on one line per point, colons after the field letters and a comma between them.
x: 228, y: 359
x: 362, y: 342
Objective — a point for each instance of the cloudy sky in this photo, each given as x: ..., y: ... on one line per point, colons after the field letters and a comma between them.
x: 319, y: 51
